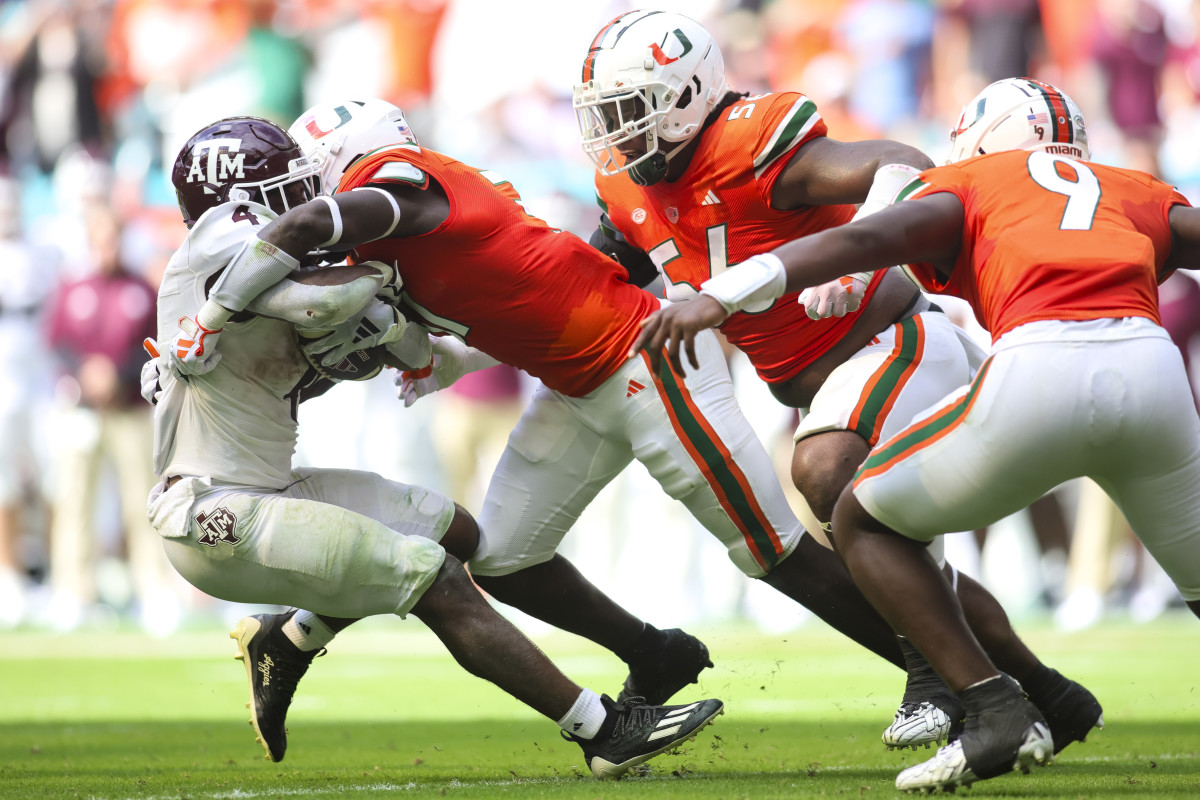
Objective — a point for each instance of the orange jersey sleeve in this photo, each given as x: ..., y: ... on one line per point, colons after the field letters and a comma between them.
x: 504, y: 281
x: 719, y: 214
x: 1048, y: 237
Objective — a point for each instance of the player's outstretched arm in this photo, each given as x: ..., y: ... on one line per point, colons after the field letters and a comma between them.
x: 322, y: 298
x: 927, y: 230
x: 340, y: 222
x: 923, y: 230
x: 826, y: 172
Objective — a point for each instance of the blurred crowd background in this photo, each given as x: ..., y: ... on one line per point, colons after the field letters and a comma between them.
x: 96, y: 97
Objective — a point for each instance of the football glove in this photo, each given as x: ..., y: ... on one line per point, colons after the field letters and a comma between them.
x: 379, y: 323
x: 451, y: 359
x: 392, y: 287
x: 837, y: 298
x: 193, y: 351
x: 150, y: 387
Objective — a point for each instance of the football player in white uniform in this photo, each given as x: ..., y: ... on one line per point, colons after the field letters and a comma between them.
x: 240, y: 523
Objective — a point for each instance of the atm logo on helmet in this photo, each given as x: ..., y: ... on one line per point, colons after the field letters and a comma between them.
x: 216, y: 161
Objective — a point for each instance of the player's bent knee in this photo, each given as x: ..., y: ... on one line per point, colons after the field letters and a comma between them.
x: 822, y: 466
x: 461, y: 539
x: 449, y: 595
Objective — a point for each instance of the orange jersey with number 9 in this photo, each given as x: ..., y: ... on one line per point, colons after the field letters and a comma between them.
x: 719, y: 214
x: 1049, y: 237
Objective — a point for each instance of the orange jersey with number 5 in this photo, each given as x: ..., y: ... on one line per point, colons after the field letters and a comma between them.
x: 719, y: 214
x: 504, y: 281
x: 1049, y: 237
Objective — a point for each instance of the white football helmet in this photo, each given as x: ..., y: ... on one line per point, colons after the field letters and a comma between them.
x: 648, y: 75
x: 1019, y: 114
x: 333, y: 135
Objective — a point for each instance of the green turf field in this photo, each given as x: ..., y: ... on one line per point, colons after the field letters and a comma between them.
x: 387, y: 714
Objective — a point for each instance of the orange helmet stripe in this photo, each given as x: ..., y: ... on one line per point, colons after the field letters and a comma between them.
x: 589, y: 63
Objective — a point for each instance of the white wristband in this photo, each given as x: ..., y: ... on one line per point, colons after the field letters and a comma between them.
x: 753, y: 285
x: 395, y: 208
x: 889, y: 180
x: 336, y: 212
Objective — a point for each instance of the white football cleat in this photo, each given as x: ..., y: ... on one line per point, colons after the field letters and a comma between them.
x: 1003, y: 731
x: 917, y: 724
x: 948, y: 770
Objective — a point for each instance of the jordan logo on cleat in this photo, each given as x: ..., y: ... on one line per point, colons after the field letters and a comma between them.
x: 306, y: 628
x: 633, y: 388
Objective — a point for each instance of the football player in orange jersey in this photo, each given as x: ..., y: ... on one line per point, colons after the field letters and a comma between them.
x: 693, y: 177
x: 1060, y: 259
x: 479, y: 268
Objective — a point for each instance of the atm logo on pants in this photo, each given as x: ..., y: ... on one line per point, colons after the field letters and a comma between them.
x: 217, y: 526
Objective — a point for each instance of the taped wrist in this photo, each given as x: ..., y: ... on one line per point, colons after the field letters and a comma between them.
x: 256, y: 267
x: 212, y: 316
x: 889, y: 180
x: 752, y: 285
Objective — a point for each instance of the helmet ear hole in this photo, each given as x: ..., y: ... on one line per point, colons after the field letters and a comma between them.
x: 684, y: 99
x: 239, y: 195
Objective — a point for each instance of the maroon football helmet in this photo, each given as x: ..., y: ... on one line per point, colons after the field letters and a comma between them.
x: 242, y: 159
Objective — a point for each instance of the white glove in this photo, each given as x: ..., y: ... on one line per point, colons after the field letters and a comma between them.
x: 451, y: 360
x: 151, y: 389
x: 378, y: 324
x: 193, y: 351
x: 837, y: 298
x: 414, y: 349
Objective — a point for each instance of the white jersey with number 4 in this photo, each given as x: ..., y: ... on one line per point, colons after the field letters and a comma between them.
x: 236, y: 423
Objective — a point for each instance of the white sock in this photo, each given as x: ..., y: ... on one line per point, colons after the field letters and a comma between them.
x: 585, y: 717
x: 306, y: 631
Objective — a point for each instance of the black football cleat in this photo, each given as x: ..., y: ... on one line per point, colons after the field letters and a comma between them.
x: 1070, y: 710
x: 273, y: 666
x: 634, y: 733
x: 660, y: 670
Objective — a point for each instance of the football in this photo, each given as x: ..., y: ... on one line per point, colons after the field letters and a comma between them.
x: 358, y: 366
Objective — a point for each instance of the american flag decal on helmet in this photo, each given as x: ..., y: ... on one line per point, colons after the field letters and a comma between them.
x: 1063, y: 127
